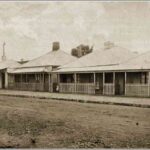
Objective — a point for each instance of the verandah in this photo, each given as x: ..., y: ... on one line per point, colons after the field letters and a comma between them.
x: 30, y: 82
x: 102, y: 83
x: 88, y: 83
x: 106, y: 83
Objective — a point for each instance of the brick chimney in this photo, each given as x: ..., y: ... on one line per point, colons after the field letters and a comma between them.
x: 108, y: 45
x: 55, y: 46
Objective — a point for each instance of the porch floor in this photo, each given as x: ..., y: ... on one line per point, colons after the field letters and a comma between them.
x: 114, y: 100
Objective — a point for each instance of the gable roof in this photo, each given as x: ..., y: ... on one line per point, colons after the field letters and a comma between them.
x: 105, y: 57
x: 53, y: 58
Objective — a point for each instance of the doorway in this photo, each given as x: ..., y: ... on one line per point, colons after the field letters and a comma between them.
x: 99, y: 83
x: 119, y: 83
x: 46, y: 82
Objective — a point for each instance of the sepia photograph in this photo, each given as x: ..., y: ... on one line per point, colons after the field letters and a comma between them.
x: 74, y: 74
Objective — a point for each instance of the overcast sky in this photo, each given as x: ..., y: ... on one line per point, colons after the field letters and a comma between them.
x: 29, y: 28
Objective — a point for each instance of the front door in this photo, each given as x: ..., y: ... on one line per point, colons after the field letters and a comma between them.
x: 99, y: 83
x: 119, y: 83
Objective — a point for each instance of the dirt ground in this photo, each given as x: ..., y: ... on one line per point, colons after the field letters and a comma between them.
x: 41, y: 123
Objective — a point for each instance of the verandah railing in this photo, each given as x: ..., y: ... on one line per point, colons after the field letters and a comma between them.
x: 137, y: 90
x: 67, y: 88
x: 109, y: 89
x: 88, y: 88
x: 85, y: 88
x: 26, y: 86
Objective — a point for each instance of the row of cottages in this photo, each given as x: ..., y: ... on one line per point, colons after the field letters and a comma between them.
x: 111, y: 71
x: 37, y: 75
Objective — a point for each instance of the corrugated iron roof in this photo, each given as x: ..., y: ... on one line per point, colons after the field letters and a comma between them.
x: 53, y: 58
x: 8, y: 64
x: 99, y: 60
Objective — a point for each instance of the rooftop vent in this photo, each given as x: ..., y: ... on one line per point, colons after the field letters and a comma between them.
x: 108, y: 45
x: 55, y: 46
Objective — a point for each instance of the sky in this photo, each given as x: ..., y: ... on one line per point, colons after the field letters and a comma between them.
x: 29, y: 28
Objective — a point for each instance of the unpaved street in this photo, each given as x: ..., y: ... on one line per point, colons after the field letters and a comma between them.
x: 41, y: 123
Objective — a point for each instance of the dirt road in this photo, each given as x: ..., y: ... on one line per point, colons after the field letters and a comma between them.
x: 41, y: 123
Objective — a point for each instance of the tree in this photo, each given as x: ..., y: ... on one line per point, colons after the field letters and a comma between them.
x: 81, y: 50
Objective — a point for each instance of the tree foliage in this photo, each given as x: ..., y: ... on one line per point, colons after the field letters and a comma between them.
x: 81, y: 50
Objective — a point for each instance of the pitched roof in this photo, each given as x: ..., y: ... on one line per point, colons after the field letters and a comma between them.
x: 94, y: 61
x: 8, y: 64
x: 53, y: 58
x: 141, y: 61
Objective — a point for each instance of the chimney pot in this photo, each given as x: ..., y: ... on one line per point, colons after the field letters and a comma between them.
x: 108, y: 45
x: 56, y: 46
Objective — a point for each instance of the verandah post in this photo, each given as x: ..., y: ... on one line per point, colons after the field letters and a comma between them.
x: 43, y: 82
x: 52, y: 82
x: 75, y: 82
x: 94, y: 81
x: 125, y: 75
x: 148, y: 84
x: 103, y: 83
x: 49, y: 82
x: 58, y: 81
x: 34, y: 86
x: 114, y: 83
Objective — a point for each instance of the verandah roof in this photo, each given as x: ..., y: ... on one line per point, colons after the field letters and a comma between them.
x: 103, y: 68
x: 31, y: 70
